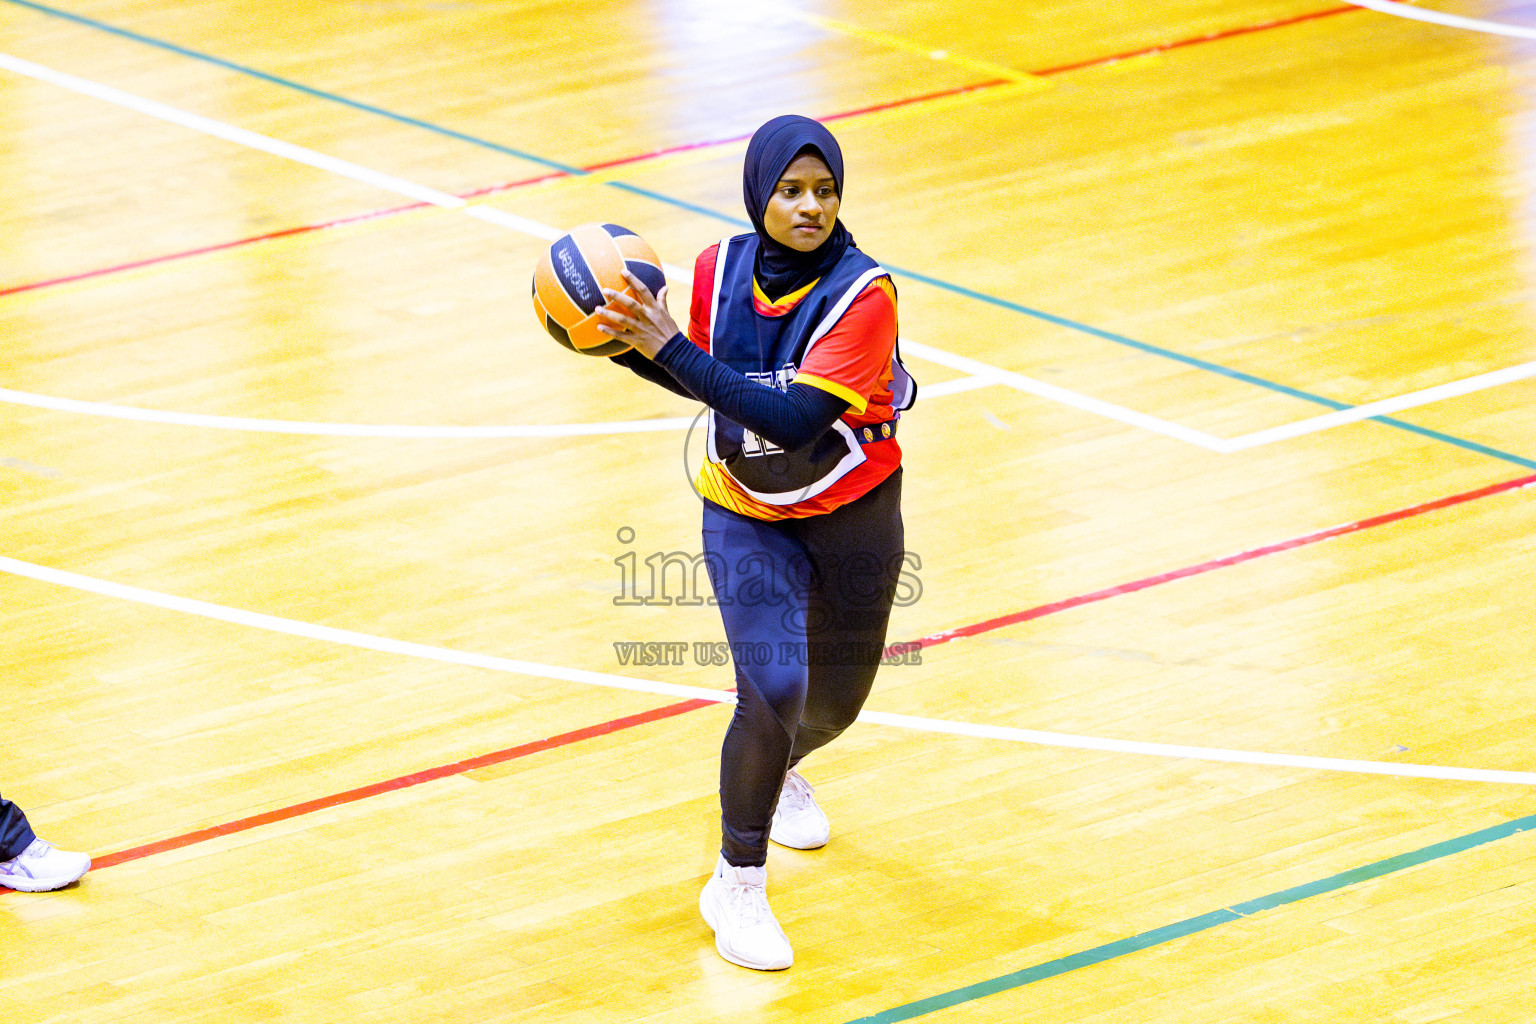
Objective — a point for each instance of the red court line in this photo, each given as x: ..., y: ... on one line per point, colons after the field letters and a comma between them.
x: 1040, y: 611
x: 403, y: 782
x: 268, y: 237
x: 1197, y: 40
x: 673, y: 710
x: 476, y: 194
x: 959, y: 90
x: 656, y: 154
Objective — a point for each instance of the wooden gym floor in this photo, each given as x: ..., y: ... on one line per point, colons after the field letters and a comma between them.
x: 312, y: 538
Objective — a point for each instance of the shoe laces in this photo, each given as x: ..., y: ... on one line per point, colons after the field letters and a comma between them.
x: 17, y: 865
x: 796, y: 795
x: 749, y: 902
x: 35, y: 849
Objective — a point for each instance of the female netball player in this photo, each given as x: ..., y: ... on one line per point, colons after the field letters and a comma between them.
x: 792, y: 345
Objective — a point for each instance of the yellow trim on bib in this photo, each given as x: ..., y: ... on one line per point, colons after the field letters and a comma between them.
x: 853, y: 398
x: 714, y: 483
x: 790, y: 299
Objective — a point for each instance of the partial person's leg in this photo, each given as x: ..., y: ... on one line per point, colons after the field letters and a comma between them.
x: 27, y: 862
x: 15, y: 834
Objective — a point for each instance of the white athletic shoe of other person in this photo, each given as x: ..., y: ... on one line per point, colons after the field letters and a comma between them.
x: 735, y: 904
x: 797, y: 822
x: 41, y: 867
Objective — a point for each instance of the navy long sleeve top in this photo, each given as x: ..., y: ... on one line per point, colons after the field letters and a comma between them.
x: 790, y: 419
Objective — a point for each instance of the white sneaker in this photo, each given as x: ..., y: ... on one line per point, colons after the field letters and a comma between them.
x: 797, y: 822
x: 41, y: 867
x: 735, y: 903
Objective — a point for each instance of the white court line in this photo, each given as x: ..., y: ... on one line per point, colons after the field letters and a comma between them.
x: 191, y: 419
x: 1411, y: 400
x: 985, y: 379
x: 956, y: 386
x: 1330, y: 764
x: 240, y: 136
x: 366, y: 641
x: 289, y: 151
x: 501, y: 218
x: 395, y: 430
x: 1398, y: 10
x: 1051, y: 392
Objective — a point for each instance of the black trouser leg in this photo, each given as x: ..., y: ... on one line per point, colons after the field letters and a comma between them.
x: 15, y: 834
x: 857, y: 553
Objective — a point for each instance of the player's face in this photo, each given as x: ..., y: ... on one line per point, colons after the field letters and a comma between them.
x: 804, y: 205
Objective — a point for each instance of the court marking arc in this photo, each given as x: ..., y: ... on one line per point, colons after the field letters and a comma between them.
x: 1433, y: 17
x: 488, y: 214
x: 399, y: 431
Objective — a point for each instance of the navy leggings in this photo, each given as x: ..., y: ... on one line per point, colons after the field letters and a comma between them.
x: 805, y: 604
x: 15, y: 834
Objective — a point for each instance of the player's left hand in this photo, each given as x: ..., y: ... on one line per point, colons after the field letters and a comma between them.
x: 644, y: 323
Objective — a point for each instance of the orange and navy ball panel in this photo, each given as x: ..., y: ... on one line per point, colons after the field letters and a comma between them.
x: 577, y: 263
x: 639, y: 258
x: 552, y: 294
x: 570, y: 276
x: 557, y: 332
x: 609, y: 347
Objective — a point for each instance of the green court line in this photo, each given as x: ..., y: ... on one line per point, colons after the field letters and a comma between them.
x: 1167, y: 933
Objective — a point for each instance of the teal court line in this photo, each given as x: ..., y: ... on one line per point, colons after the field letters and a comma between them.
x: 704, y: 211
x: 1190, y: 926
x: 289, y: 83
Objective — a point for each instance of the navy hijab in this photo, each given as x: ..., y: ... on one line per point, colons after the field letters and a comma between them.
x: 779, y: 269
